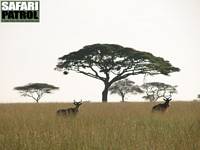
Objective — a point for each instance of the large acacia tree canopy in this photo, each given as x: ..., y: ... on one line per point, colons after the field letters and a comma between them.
x: 102, y: 60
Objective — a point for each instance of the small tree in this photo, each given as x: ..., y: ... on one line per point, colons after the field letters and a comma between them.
x: 124, y: 87
x: 35, y: 90
x: 156, y: 90
x: 110, y: 63
x: 198, y: 96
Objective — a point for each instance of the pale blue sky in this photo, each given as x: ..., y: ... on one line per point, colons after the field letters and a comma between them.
x: 166, y: 28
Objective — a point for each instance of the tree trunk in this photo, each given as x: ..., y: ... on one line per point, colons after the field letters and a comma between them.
x: 105, y: 94
x: 37, y: 100
x: 123, y: 98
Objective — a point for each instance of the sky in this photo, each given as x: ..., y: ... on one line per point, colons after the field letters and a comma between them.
x: 165, y: 28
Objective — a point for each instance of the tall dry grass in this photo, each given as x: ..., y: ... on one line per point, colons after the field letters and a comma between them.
x: 111, y: 126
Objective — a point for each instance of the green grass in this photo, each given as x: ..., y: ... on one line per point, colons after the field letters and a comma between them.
x: 111, y: 126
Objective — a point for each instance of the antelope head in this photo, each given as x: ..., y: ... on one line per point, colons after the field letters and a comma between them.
x: 167, y: 99
x: 77, y: 104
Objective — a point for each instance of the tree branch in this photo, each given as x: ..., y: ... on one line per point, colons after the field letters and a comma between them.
x: 96, y: 74
x: 29, y: 94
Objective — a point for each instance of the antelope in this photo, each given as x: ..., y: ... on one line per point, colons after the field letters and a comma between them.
x: 70, y: 111
x: 162, y: 107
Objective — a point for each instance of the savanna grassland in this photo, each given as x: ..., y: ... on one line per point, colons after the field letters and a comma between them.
x: 107, y: 126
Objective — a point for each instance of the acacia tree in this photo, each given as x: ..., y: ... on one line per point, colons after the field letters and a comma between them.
x: 124, y: 87
x: 35, y: 90
x: 110, y: 63
x: 156, y: 90
x: 198, y: 96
